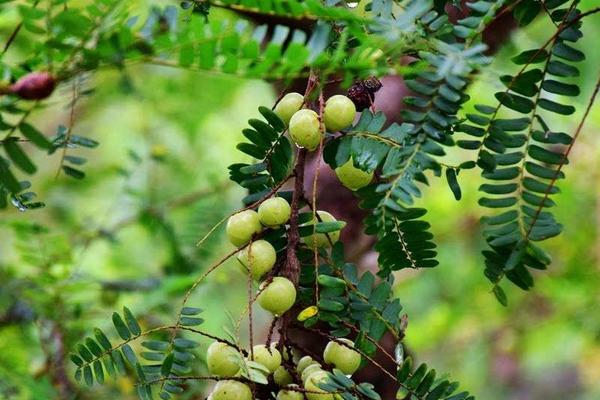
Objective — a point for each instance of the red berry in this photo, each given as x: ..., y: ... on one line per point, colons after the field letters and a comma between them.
x: 34, y: 86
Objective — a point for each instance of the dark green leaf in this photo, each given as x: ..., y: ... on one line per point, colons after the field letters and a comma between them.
x: 453, y: 183
x: 18, y: 156
x: 132, y: 323
x: 120, y: 326
x: 35, y: 136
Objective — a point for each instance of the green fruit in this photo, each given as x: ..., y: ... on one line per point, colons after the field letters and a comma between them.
x: 342, y: 357
x: 320, y: 239
x: 351, y: 177
x: 222, y: 359
x: 274, y: 212
x: 305, y: 129
x: 231, y: 390
x: 311, y: 384
x: 278, y: 297
x: 288, y: 105
x: 282, y: 377
x: 339, y: 113
x: 269, y: 357
x: 290, y: 394
x: 304, y: 362
x: 308, y: 371
x: 259, y: 258
x: 242, y: 226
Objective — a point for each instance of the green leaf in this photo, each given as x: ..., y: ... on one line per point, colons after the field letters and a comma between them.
x: 191, y: 311
x: 99, y: 372
x: 155, y: 345
x: 272, y: 118
x: 93, y: 346
x: 559, y: 68
x: 73, y: 172
x: 18, y: 156
x: 557, y: 87
x: 88, y: 376
x: 327, y: 227
x: 567, y: 52
x: 102, y: 339
x: 84, y: 352
x: 7, y: 178
x: 76, y: 359
x: 182, y: 343
x: 191, y: 321
x: 35, y: 136
x: 533, y: 56
x: 526, y: 11
x: 453, y: 183
x: 514, y: 102
x: 556, y: 107
x: 132, y: 323
x: 167, y: 364
x: 120, y: 326
x: 500, y: 295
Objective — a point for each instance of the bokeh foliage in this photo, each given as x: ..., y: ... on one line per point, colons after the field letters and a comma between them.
x: 130, y: 222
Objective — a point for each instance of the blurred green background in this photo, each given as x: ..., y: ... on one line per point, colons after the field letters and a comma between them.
x: 158, y: 182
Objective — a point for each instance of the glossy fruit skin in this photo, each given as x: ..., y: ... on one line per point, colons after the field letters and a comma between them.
x: 274, y: 212
x: 222, y: 360
x: 351, y: 177
x: 312, y: 385
x: 258, y: 257
x: 282, y: 377
x: 288, y: 105
x: 308, y: 371
x: 242, y: 226
x: 320, y: 239
x: 342, y: 357
x: 304, y: 362
x: 278, y: 297
x: 269, y: 357
x: 339, y: 113
x: 289, y: 394
x: 231, y: 390
x: 305, y: 129
x: 34, y: 86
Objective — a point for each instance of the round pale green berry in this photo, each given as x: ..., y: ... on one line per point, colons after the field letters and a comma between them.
x: 231, y: 390
x: 242, y: 226
x: 288, y: 105
x: 222, y: 359
x: 320, y: 239
x: 342, y: 356
x: 269, y: 357
x: 308, y: 371
x: 278, y: 297
x: 305, y: 129
x: 258, y: 258
x: 351, y: 177
x: 304, y: 362
x: 290, y: 394
x: 312, y: 385
x: 274, y: 212
x: 282, y: 377
x: 339, y: 113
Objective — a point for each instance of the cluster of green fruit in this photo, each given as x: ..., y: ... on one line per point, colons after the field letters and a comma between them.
x: 304, y: 128
x: 259, y: 256
x: 224, y: 361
